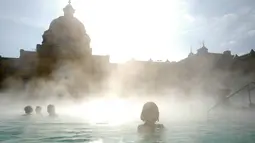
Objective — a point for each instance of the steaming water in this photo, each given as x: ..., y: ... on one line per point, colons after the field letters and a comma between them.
x: 116, y: 121
x: 229, y: 128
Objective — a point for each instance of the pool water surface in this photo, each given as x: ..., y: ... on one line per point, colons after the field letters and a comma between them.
x: 225, y: 129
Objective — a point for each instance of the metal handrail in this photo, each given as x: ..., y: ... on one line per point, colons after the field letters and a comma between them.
x: 247, y: 86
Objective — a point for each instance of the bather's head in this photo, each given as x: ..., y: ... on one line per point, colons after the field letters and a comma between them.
x: 51, y: 110
x: 38, y: 110
x: 150, y: 113
x: 28, y: 110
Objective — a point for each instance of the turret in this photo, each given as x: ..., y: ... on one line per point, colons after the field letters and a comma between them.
x: 69, y: 10
x: 227, y: 53
x: 191, y: 53
x: 203, y: 50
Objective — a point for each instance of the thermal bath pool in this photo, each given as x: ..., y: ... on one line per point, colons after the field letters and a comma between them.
x: 225, y: 129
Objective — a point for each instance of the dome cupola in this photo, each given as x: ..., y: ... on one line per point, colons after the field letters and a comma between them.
x: 69, y: 10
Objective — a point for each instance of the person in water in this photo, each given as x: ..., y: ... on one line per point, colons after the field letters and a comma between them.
x: 51, y: 110
x: 150, y: 115
x: 28, y: 110
x: 38, y: 110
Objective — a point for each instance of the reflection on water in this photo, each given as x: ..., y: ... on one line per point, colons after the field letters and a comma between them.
x: 32, y: 129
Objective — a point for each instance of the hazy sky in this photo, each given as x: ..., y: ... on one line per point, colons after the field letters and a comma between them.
x: 141, y: 29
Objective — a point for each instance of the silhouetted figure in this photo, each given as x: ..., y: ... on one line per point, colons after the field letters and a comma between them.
x: 150, y: 115
x: 38, y: 110
x: 51, y: 110
x: 28, y: 110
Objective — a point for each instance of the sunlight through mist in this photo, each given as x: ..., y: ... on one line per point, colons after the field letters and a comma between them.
x: 108, y: 110
x: 126, y: 29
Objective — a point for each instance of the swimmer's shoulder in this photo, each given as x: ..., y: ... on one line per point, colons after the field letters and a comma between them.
x: 143, y: 128
x: 160, y: 126
x: 140, y: 128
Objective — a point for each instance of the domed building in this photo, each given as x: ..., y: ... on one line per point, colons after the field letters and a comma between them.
x: 64, y: 54
x: 66, y: 40
x: 68, y: 35
x: 65, y: 47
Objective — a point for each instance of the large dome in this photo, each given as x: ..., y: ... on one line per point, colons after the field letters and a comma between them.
x: 67, y: 36
x: 68, y: 28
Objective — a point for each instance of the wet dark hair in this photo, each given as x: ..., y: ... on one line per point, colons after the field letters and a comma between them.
x: 38, y: 109
x: 51, y: 109
x: 28, y: 109
x: 150, y: 112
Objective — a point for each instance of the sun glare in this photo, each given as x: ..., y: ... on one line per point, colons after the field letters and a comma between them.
x: 140, y: 29
x: 113, y: 111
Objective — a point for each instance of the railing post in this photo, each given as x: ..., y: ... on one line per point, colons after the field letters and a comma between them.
x: 249, y: 93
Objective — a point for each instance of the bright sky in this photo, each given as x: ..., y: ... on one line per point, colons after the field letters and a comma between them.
x: 140, y: 29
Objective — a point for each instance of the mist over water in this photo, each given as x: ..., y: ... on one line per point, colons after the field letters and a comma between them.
x: 111, y: 114
x: 113, y: 119
x: 112, y: 108
x: 68, y: 86
x: 110, y: 117
x: 67, y: 90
